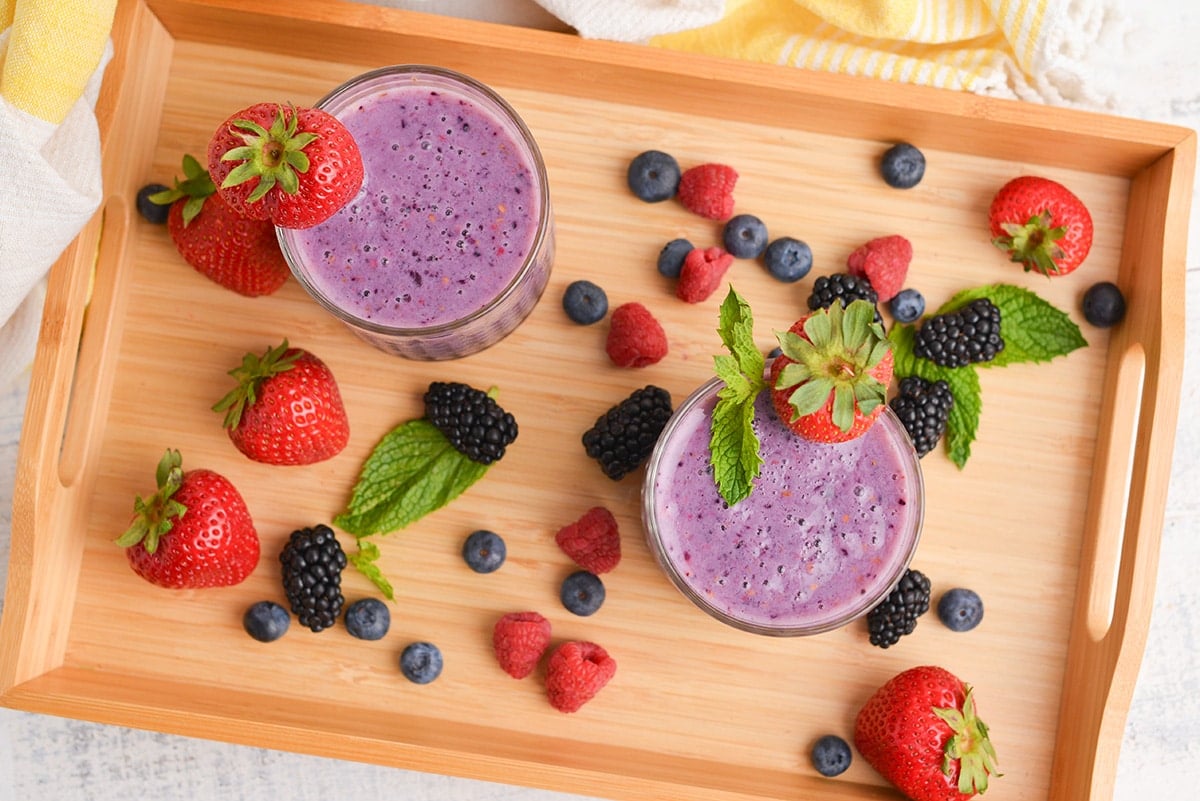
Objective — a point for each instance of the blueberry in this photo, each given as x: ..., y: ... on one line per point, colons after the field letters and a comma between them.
x: 902, y: 166
x: 670, y: 258
x: 745, y: 236
x: 153, y: 212
x: 484, y: 551
x: 421, y: 662
x: 907, y: 306
x: 1103, y: 304
x: 831, y: 755
x: 788, y: 259
x: 266, y: 621
x: 582, y: 593
x: 960, y: 609
x: 653, y: 176
x: 368, y: 619
x: 584, y: 302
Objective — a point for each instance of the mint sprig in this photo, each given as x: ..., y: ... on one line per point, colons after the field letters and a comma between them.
x: 1033, y: 329
x: 414, y: 470
x: 733, y: 444
x: 364, y: 561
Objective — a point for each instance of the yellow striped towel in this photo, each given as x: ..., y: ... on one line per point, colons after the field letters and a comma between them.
x: 52, y: 56
x: 1029, y: 49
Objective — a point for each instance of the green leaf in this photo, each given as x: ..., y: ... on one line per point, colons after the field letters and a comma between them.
x: 1033, y: 329
x: 733, y: 443
x: 364, y: 561
x: 963, y: 422
x: 414, y: 470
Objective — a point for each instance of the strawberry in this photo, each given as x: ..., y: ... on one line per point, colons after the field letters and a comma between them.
x: 294, y: 167
x: 519, y: 639
x: 702, y: 272
x: 1041, y: 224
x: 286, y: 408
x: 830, y: 382
x: 194, y: 532
x: 237, y: 253
x: 707, y: 190
x: 920, y: 731
x: 883, y: 261
x: 575, y: 672
x: 635, y: 337
x: 593, y: 541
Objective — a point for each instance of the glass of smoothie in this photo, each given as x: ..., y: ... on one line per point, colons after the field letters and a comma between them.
x: 448, y: 245
x: 824, y: 536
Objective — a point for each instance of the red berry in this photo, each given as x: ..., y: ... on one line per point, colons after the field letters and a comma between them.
x: 635, y: 338
x: 707, y: 190
x: 884, y: 262
x: 702, y: 273
x: 593, y: 541
x: 575, y: 673
x: 519, y: 640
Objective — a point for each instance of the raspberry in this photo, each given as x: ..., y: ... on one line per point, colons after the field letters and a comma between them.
x: 593, y: 541
x: 707, y: 190
x: 635, y: 338
x: 702, y: 273
x: 622, y: 438
x: 884, y: 262
x: 575, y: 673
x: 519, y: 639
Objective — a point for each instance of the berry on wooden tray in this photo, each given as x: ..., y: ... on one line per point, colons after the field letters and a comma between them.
x: 653, y: 176
x: 593, y: 541
x: 896, y: 615
x: 622, y: 438
x: 312, y: 561
x: 1041, y: 224
x: 519, y: 639
x: 576, y: 672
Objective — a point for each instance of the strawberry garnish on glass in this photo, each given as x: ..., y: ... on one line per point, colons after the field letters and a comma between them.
x: 294, y: 166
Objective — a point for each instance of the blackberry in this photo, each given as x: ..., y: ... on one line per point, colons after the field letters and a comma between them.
x: 471, y: 420
x: 902, y: 166
x: 624, y: 436
x: 312, y: 562
x: 965, y: 336
x: 923, y: 408
x: 745, y: 236
x: 896, y: 615
x: 960, y: 609
x: 653, y: 176
x: 842, y: 287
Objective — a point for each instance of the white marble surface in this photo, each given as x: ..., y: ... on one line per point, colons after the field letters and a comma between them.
x: 63, y: 760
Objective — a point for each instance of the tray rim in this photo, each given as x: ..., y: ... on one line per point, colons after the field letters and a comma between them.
x: 1158, y: 159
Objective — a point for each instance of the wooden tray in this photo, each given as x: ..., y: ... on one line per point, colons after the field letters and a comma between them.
x: 1055, y: 520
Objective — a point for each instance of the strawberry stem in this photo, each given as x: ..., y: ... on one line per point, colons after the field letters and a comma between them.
x: 969, y: 746
x: 1034, y: 244
x: 154, y: 517
x: 273, y: 156
x: 250, y: 375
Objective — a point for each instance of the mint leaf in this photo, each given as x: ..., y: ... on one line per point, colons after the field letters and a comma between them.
x: 414, y: 470
x: 963, y: 422
x: 733, y: 444
x: 364, y: 562
x: 1033, y: 329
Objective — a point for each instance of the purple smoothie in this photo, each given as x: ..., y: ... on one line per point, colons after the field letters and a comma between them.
x: 451, y: 224
x: 825, y: 533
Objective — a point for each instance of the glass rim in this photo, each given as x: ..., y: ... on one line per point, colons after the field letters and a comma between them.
x: 654, y: 539
x: 544, y: 224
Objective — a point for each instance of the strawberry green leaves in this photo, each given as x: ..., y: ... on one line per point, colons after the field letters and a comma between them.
x: 1033, y: 330
x: 733, y: 445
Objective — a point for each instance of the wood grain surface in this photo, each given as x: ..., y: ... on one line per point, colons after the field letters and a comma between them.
x: 1054, y: 520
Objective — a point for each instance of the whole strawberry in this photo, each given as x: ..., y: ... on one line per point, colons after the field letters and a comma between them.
x: 236, y: 252
x: 294, y: 167
x: 830, y: 382
x: 194, y: 532
x: 1041, y: 224
x: 286, y: 408
x: 921, y: 732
